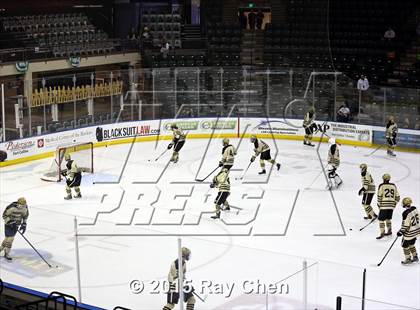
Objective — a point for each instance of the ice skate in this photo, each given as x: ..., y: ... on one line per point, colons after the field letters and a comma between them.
x: 415, y: 259
x: 262, y: 172
x: 68, y: 197
x: 278, y: 167
x: 7, y: 256
x: 380, y: 236
x: 407, y: 261
x: 79, y: 195
x: 216, y: 216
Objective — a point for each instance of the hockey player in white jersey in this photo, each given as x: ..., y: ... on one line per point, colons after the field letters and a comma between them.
x: 333, y: 164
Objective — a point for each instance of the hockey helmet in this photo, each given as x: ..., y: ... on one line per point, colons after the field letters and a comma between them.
x: 225, y: 141
x: 311, y: 110
x: 391, y: 119
x: 386, y: 177
x: 21, y: 201
x: 253, y: 138
x: 67, y: 157
x: 363, y: 167
x: 174, y: 126
x: 332, y: 141
x: 406, y: 202
x: 186, y: 253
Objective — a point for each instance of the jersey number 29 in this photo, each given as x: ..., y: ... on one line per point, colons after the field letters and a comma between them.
x: 389, y: 193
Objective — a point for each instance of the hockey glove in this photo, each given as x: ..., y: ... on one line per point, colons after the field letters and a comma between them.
x: 220, y: 163
x: 64, y: 173
x: 253, y: 158
x: 212, y: 185
x: 22, y: 228
x: 170, y: 145
x: 399, y: 233
x: 362, y: 191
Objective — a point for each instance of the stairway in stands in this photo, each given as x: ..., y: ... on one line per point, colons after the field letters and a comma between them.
x: 252, y: 47
x: 191, y: 37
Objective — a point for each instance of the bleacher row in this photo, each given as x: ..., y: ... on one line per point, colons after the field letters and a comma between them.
x: 164, y: 27
x: 224, y: 43
x: 104, y: 118
x: 40, y: 22
x: 175, y: 60
x: 62, y: 35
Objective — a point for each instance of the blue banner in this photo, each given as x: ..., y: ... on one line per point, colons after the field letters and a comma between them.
x: 403, y: 139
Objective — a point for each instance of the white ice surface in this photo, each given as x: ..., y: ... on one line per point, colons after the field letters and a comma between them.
x: 281, y: 222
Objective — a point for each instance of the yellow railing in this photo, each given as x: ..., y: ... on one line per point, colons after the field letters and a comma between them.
x: 62, y: 94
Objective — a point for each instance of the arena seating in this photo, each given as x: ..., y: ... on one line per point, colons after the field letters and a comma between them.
x: 352, y: 29
x: 224, y: 44
x: 163, y: 27
x: 63, y: 35
x: 176, y: 58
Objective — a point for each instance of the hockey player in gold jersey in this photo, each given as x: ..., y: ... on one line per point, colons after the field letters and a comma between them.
x: 388, y: 198
x: 177, y: 142
x: 391, y: 136
x: 73, y: 177
x: 14, y: 216
x: 410, y: 230
x: 368, y: 191
x: 173, y: 294
x: 263, y: 150
x: 228, y: 155
x: 333, y: 164
x: 222, y: 182
x: 309, y: 125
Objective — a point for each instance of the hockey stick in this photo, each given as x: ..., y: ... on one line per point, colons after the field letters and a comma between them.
x: 163, y: 153
x: 374, y: 151
x: 386, y: 254
x: 202, y: 180
x: 246, y: 170
x: 316, y: 178
x: 373, y: 220
x: 35, y: 250
x: 199, y: 297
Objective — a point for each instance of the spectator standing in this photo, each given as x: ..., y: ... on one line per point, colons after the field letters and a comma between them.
x: 343, y: 114
x: 251, y: 19
x: 243, y: 20
x: 147, y: 38
x: 260, y: 19
x: 164, y: 50
x: 362, y: 86
x: 363, y: 83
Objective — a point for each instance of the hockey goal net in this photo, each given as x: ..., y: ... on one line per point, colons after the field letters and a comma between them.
x: 81, y: 153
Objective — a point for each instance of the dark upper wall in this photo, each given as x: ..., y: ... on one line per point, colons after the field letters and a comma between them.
x: 45, y: 6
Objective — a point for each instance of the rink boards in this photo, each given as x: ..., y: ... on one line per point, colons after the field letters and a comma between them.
x: 38, y: 147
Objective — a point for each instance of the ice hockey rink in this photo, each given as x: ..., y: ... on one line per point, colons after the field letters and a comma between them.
x: 134, y: 209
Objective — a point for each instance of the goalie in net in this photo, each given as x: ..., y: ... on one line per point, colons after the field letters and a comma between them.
x: 69, y: 163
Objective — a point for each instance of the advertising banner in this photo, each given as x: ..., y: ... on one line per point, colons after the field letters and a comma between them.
x: 405, y: 138
x: 293, y: 129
